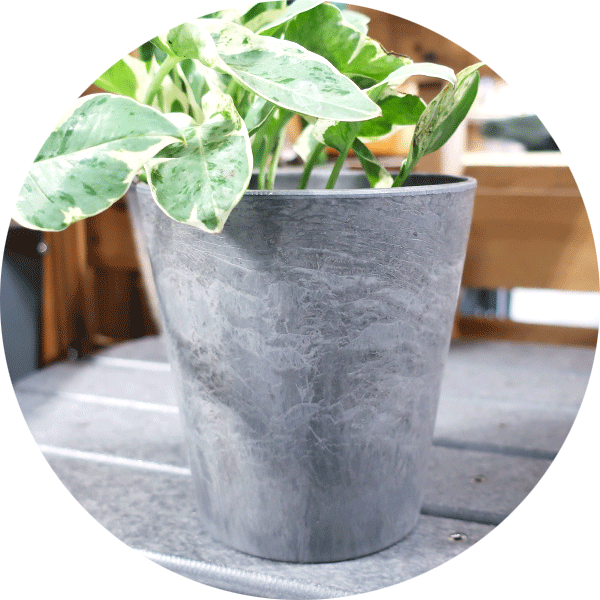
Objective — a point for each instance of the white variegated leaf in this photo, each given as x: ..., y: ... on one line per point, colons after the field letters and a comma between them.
x: 340, y: 135
x: 282, y: 72
x: 324, y: 31
x: 319, y: 131
x: 90, y: 159
x: 193, y: 106
x: 401, y: 75
x: 201, y: 181
x: 192, y: 40
x: 297, y: 7
x: 376, y: 173
x: 441, y: 118
x: 259, y: 112
x: 305, y: 143
x: 263, y: 20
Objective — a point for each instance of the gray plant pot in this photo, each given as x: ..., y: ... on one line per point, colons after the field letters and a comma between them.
x: 308, y: 341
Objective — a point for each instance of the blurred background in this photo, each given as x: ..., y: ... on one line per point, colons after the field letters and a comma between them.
x: 531, y: 272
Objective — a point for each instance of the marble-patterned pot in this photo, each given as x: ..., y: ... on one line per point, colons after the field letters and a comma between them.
x: 308, y: 340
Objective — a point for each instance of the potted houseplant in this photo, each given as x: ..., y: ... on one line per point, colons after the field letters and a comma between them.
x: 307, y: 329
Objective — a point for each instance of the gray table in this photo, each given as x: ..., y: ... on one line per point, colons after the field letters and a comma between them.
x: 109, y: 427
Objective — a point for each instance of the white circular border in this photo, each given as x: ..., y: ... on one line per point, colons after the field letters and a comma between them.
x: 51, y: 544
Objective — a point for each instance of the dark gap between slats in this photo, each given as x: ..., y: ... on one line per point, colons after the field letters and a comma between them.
x: 463, y: 514
x: 494, y: 449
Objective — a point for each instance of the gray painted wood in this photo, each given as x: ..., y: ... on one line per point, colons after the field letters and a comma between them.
x: 155, y: 511
x: 109, y: 427
x: 104, y: 380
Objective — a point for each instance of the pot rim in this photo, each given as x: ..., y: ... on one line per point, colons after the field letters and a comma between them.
x: 448, y: 183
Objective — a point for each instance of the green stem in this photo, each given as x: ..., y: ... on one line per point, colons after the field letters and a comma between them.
x: 339, y: 163
x: 232, y: 87
x: 275, y: 160
x: 263, y: 165
x: 162, y: 72
x: 311, y: 161
x: 353, y: 130
x: 405, y: 170
x: 273, y: 138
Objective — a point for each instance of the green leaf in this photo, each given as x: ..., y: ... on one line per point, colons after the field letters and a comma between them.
x: 195, y: 86
x: 376, y: 173
x: 200, y: 181
x: 161, y: 43
x: 441, y: 118
x: 191, y: 40
x: 132, y: 77
x: 90, y: 159
x: 258, y: 113
x: 123, y: 77
x: 259, y: 9
x: 264, y: 19
x: 335, y: 134
x: 282, y: 72
x: 398, y: 110
x: 169, y: 97
x: 402, y: 74
x: 297, y: 7
x: 345, y: 46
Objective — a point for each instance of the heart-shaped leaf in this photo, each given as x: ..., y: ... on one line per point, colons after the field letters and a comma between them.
x: 398, y: 110
x: 90, y: 159
x: 345, y: 46
x: 282, y: 72
x: 376, y: 173
x: 402, y: 74
x: 441, y: 118
x: 126, y: 77
x: 200, y: 181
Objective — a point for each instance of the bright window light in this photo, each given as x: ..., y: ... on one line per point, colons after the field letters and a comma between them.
x: 555, y: 307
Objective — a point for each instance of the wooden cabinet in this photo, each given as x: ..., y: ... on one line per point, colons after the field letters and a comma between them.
x: 92, y: 291
x: 530, y: 229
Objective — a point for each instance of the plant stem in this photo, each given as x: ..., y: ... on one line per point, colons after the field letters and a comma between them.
x: 162, y: 72
x: 260, y: 184
x: 339, y: 163
x: 275, y: 160
x: 311, y: 161
x: 405, y: 169
x: 352, y: 132
x: 263, y: 164
x: 232, y: 87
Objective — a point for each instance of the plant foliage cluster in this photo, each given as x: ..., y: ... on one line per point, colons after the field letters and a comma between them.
x: 207, y: 102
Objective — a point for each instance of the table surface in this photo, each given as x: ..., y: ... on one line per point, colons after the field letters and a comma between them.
x: 109, y: 427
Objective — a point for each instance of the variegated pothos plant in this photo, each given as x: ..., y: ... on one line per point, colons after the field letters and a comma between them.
x: 204, y: 104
